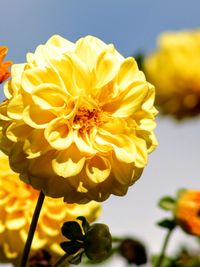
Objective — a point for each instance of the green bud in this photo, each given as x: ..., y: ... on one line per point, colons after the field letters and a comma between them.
x: 97, y: 242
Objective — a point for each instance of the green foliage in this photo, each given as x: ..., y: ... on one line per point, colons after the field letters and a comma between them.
x: 169, y: 224
x: 167, y: 203
x: 167, y: 261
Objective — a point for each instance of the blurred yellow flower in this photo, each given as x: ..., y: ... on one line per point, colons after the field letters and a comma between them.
x: 78, y: 120
x: 17, y: 203
x: 4, y: 72
x: 188, y: 211
x: 174, y: 69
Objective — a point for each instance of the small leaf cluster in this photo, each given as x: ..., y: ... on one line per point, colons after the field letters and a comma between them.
x: 168, y: 203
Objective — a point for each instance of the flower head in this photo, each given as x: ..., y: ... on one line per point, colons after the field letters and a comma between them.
x: 17, y: 203
x: 187, y: 211
x: 174, y: 68
x: 4, y: 72
x: 78, y: 120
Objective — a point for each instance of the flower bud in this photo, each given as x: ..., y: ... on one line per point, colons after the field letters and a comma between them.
x: 133, y: 251
x: 98, y: 242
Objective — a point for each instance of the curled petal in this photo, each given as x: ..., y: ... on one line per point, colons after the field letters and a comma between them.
x: 68, y: 163
x: 59, y: 134
x: 35, y: 144
x: 32, y: 78
x: 36, y: 117
x: 84, y: 143
x: 98, y: 169
x: 106, y: 68
x: 49, y: 96
x: 123, y: 145
x: 18, y: 131
x: 130, y: 100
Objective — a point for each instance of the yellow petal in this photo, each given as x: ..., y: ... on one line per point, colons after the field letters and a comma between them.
x: 68, y: 163
x: 32, y: 78
x: 142, y: 155
x: 35, y: 144
x: 84, y: 143
x: 131, y: 100
x: 106, y: 68
x: 18, y: 131
x: 88, y: 49
x: 48, y: 96
x: 59, y: 134
x: 98, y: 169
x: 128, y: 72
x: 123, y: 145
x: 36, y: 117
x: 123, y: 172
x: 15, y: 221
x: 61, y: 43
x: 15, y: 107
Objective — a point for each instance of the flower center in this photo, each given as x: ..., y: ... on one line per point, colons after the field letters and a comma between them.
x: 86, y: 119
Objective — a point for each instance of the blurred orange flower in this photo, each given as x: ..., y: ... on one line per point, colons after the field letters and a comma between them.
x: 188, y: 212
x: 4, y: 72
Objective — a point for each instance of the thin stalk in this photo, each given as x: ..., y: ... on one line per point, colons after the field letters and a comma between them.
x: 164, y: 247
x: 61, y: 260
x: 32, y: 230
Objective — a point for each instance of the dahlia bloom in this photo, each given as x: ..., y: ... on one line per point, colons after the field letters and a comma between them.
x: 17, y: 204
x: 174, y: 69
x: 78, y: 120
x: 188, y: 211
x: 4, y: 72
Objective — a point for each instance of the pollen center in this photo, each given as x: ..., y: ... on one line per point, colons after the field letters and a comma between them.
x: 86, y: 119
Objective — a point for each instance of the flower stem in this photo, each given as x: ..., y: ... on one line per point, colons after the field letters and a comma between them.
x: 61, y: 260
x: 164, y: 247
x: 32, y: 230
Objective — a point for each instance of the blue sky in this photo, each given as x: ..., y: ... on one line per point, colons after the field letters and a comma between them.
x: 132, y: 25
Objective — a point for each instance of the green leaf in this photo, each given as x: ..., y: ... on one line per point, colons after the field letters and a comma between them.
x: 167, y: 203
x: 167, y: 223
x: 71, y: 247
x: 76, y: 259
x: 72, y: 231
x: 85, y: 223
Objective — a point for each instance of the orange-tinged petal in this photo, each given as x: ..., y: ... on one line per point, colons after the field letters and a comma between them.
x: 4, y: 72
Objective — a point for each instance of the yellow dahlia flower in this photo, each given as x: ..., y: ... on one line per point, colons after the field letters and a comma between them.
x: 17, y: 203
x: 78, y: 120
x: 174, y: 68
x: 188, y: 211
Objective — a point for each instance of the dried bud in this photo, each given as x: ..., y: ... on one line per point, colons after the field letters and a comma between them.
x: 133, y: 251
x: 40, y: 258
x: 98, y: 242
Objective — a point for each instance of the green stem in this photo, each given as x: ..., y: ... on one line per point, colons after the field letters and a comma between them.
x: 61, y: 260
x: 32, y: 230
x: 164, y: 247
x: 117, y: 239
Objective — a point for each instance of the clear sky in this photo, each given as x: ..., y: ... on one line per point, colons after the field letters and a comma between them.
x: 132, y: 25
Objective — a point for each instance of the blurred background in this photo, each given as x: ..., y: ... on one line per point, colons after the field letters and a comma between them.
x: 132, y: 26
